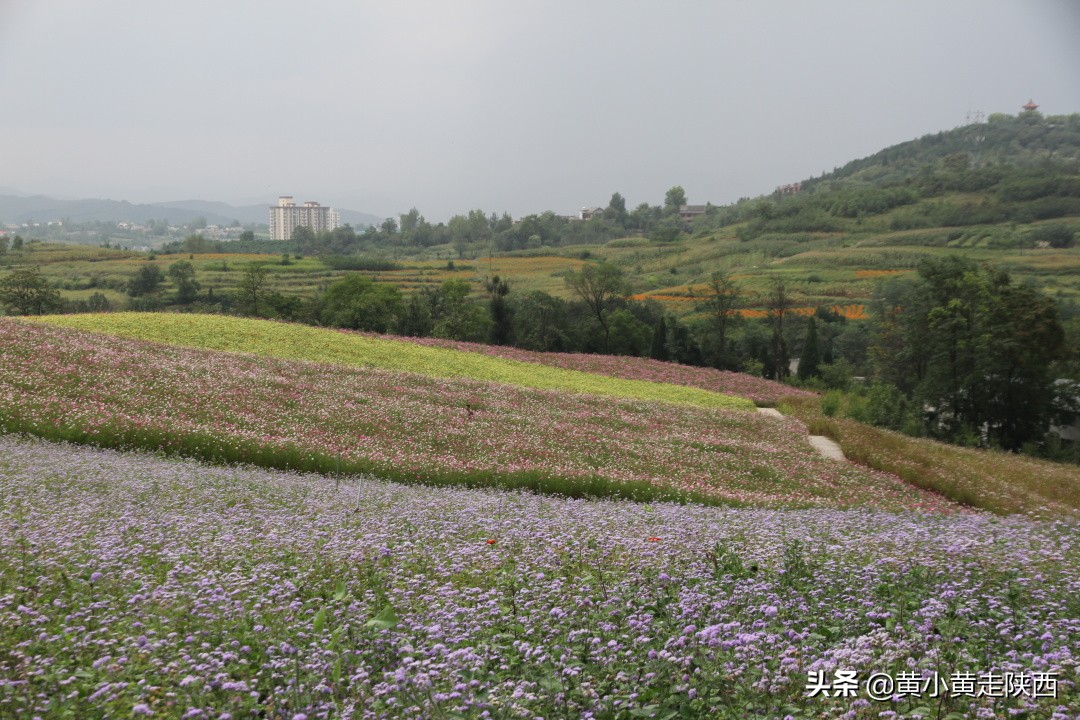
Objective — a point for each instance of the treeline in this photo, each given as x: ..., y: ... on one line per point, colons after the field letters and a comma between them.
x: 469, y: 234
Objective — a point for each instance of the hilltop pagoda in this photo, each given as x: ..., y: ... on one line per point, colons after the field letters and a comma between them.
x: 1031, y: 106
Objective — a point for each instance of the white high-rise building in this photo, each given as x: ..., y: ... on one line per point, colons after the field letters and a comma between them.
x: 286, y: 216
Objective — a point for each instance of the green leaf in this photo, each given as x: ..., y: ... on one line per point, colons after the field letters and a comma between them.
x: 386, y: 619
x: 320, y: 621
x: 341, y: 591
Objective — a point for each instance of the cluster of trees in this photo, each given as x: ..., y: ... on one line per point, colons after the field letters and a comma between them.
x: 975, y: 356
x: 27, y: 292
x: 476, y: 232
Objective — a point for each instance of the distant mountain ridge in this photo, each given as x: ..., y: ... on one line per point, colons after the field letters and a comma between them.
x: 41, y: 208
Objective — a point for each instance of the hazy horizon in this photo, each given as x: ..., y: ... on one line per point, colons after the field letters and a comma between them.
x: 516, y: 107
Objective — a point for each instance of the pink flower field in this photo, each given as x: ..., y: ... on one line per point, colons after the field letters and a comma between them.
x: 65, y: 384
x: 763, y: 392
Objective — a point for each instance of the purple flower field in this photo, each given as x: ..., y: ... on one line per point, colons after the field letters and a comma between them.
x: 138, y: 586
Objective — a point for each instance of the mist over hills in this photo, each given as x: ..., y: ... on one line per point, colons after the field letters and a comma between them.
x: 15, y: 208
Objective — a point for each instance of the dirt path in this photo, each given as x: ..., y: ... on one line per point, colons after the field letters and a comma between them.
x: 827, y: 447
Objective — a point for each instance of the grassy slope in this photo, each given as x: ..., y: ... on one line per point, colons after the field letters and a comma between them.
x: 1000, y: 482
x: 301, y: 342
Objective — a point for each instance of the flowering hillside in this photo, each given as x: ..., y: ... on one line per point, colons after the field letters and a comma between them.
x: 134, y: 586
x: 116, y: 392
x: 302, y: 342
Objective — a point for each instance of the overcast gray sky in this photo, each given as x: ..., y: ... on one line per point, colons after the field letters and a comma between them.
x: 502, y: 105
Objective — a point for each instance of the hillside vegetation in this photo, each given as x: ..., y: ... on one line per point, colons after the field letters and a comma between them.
x: 91, y: 388
x: 480, y: 433
x: 300, y: 342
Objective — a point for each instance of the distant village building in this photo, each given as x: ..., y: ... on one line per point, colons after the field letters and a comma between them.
x: 689, y: 212
x: 590, y: 213
x: 286, y: 216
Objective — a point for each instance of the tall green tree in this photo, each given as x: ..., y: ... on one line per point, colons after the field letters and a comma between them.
x: 27, y: 292
x: 501, y: 321
x: 615, y: 213
x: 658, y: 350
x: 674, y: 199
x: 811, y: 355
x: 778, y: 304
x: 541, y: 322
x: 147, y: 281
x: 251, y: 291
x: 455, y: 317
x: 721, y: 303
x: 182, y: 273
x: 598, y: 286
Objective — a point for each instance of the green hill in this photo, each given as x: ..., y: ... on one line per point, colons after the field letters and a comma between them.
x: 1026, y: 140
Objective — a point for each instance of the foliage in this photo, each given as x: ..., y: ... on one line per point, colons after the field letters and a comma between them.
x: 182, y: 273
x: 300, y: 342
x: 1054, y: 235
x: 810, y: 359
x: 357, y: 303
x: 974, y: 349
x: 501, y: 315
x: 454, y: 317
x: 251, y: 290
x: 360, y: 262
x: 147, y: 281
x: 231, y: 407
x: 598, y: 286
x: 26, y: 292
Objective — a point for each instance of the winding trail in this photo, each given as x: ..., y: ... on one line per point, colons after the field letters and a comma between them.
x: 826, y: 446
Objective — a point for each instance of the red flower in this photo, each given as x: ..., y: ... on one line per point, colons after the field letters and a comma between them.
x: 654, y: 539
x: 491, y: 541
